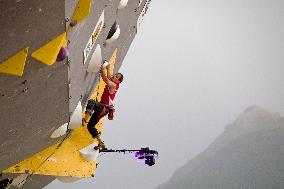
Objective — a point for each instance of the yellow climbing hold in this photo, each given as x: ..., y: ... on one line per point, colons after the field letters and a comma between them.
x: 15, y: 64
x: 47, y: 54
x: 65, y: 161
x: 82, y: 11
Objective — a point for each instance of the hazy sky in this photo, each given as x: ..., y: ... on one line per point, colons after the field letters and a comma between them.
x: 194, y: 66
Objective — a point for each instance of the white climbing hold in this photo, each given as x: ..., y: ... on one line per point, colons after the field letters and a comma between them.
x: 67, y: 179
x: 122, y: 4
x: 105, y: 64
x: 76, y: 118
x: 96, y: 60
x: 60, y: 131
x: 89, y: 153
x: 114, y: 36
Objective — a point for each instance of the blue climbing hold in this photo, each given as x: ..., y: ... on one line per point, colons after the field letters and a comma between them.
x: 63, y: 53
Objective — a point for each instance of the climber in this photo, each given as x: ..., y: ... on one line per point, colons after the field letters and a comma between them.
x: 96, y: 110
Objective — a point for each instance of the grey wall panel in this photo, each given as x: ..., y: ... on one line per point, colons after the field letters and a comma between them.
x: 79, y: 79
x: 37, y: 182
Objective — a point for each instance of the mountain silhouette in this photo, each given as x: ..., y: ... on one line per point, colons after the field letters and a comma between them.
x: 249, y: 154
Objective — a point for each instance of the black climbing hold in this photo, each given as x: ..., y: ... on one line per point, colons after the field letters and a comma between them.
x: 112, y: 30
x: 63, y: 53
x: 25, y: 81
x: 73, y: 23
x: 25, y: 90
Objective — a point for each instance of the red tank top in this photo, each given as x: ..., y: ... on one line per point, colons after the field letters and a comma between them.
x: 107, y: 96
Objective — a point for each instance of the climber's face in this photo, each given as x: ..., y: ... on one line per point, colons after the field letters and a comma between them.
x: 117, y: 78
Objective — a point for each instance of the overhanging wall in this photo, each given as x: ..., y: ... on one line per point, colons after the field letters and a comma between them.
x: 34, y: 105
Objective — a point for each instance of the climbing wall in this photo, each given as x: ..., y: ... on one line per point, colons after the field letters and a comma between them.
x: 38, y: 93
